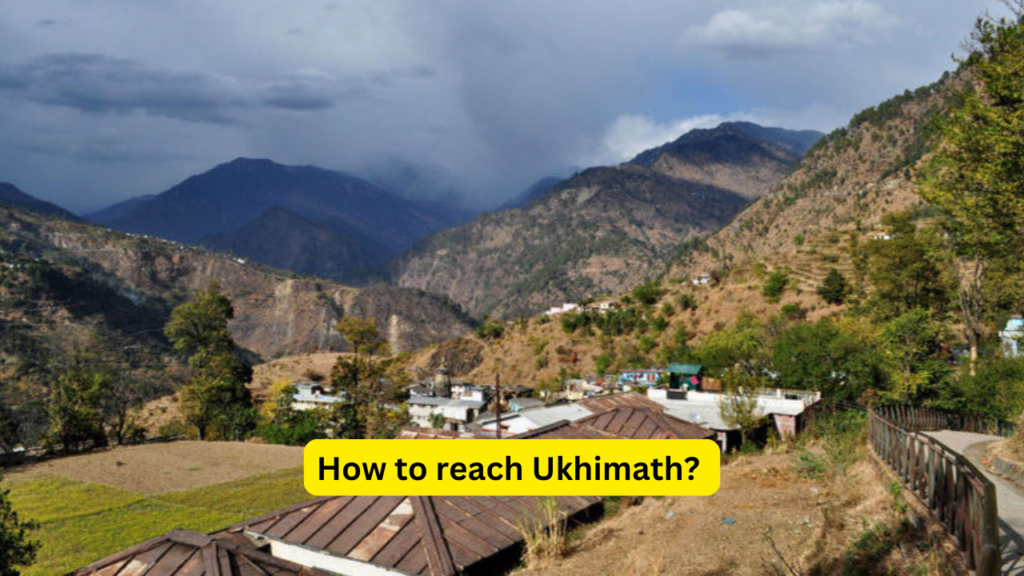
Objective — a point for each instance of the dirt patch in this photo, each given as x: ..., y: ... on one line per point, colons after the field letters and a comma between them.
x: 728, y: 533
x: 160, y: 468
x: 294, y: 368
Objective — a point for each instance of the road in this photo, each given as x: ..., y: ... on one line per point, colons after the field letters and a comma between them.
x: 1009, y: 497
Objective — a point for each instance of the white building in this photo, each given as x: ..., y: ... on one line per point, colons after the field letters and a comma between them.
x: 1012, y: 336
x: 310, y: 395
x: 567, y: 307
x: 789, y: 410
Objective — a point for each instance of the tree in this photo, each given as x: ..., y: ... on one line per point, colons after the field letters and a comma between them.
x: 76, y: 408
x: 215, y: 398
x: 834, y: 288
x: 16, y: 549
x: 905, y: 270
x: 741, y: 346
x: 976, y: 176
x: 372, y: 388
x: 739, y: 405
x: 826, y: 356
x: 913, y: 343
x: 201, y: 324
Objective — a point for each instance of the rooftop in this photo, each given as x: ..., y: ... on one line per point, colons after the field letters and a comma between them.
x: 435, y: 536
x: 187, y: 553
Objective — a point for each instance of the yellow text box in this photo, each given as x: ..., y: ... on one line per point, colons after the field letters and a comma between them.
x: 507, y: 468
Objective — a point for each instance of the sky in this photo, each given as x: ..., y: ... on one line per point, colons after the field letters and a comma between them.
x: 104, y: 100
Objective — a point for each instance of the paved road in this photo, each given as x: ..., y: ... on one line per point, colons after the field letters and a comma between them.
x: 1009, y: 496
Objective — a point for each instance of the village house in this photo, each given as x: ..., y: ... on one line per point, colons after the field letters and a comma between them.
x: 639, y: 378
x: 402, y: 535
x: 188, y: 553
x: 310, y: 395
x: 457, y: 402
x: 1012, y: 336
x: 566, y: 307
x: 789, y: 411
x: 355, y: 536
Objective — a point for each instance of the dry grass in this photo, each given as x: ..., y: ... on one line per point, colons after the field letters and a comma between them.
x: 160, y: 468
x: 545, y: 537
x: 80, y: 522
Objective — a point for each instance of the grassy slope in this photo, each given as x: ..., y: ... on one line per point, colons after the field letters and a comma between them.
x: 82, y: 522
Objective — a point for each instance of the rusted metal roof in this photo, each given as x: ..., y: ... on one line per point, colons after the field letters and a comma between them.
x: 187, y: 553
x: 410, y: 433
x: 611, y: 401
x: 643, y: 423
x: 565, y: 430
x: 432, y: 536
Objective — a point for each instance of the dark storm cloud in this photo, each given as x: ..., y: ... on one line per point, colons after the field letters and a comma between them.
x: 105, y: 99
x: 94, y: 83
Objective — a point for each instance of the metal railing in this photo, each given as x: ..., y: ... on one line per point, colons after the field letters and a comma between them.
x: 955, y: 492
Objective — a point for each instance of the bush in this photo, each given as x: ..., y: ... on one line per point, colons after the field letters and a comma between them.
x: 834, y: 289
x: 648, y: 293
x: 491, y: 330
x: 775, y: 285
x: 687, y: 302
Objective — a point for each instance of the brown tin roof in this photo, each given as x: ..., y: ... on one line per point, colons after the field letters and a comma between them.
x: 611, y: 401
x: 642, y: 423
x: 428, y: 535
x: 187, y: 553
x: 411, y: 433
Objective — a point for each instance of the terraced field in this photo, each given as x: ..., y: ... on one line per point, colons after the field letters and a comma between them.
x: 84, y: 517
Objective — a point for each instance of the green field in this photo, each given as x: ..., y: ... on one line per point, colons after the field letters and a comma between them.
x: 80, y: 522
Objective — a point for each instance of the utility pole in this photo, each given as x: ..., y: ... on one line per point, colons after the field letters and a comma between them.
x: 497, y: 402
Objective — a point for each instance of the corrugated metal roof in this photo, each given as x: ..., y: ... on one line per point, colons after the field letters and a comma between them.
x: 551, y: 414
x: 564, y: 430
x: 187, y: 553
x: 435, y: 536
x: 611, y: 401
x: 642, y: 423
x: 431, y: 434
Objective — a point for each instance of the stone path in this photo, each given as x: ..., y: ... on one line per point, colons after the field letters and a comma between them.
x: 1009, y: 497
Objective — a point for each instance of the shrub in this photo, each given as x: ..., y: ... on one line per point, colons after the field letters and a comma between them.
x: 687, y: 301
x: 775, y: 285
x: 834, y: 289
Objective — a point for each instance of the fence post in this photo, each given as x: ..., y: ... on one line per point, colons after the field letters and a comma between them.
x: 991, y: 559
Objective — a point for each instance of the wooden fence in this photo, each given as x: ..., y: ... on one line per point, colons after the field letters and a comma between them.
x: 954, y: 491
x: 917, y: 418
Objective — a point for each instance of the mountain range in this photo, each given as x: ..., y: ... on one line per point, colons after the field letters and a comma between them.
x: 345, y: 226
x: 604, y: 229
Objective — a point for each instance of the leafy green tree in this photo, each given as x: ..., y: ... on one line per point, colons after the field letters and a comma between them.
x: 977, y: 175
x: 834, y: 288
x: 905, y: 270
x: 372, y: 388
x: 739, y: 405
x: 913, y: 343
x: 825, y: 356
x: 995, y: 391
x: 216, y: 398
x: 76, y: 408
x: 648, y: 293
x: 201, y: 324
x: 741, y: 346
x: 16, y: 548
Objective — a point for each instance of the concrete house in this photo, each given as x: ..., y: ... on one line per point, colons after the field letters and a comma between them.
x: 1012, y: 336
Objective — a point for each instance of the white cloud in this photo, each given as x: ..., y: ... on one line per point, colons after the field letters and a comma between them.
x: 631, y: 134
x: 798, y: 25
